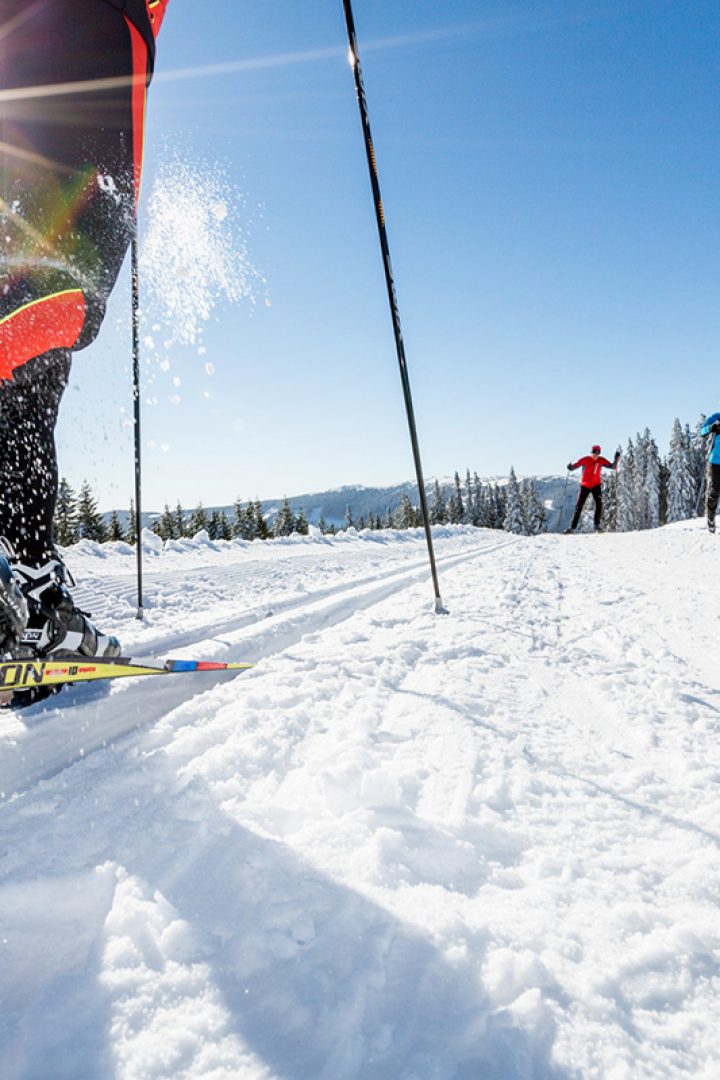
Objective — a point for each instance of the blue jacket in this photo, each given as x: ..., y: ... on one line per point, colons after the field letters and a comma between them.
x: 705, y: 430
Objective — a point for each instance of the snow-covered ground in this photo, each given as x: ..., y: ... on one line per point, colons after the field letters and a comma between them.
x: 403, y: 845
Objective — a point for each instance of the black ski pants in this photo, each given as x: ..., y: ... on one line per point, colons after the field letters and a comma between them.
x: 74, y: 74
x: 596, y: 493
x: 713, y: 493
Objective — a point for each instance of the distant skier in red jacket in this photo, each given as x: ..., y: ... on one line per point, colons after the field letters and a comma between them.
x: 591, y: 483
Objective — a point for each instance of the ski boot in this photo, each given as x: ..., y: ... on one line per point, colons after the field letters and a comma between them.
x: 55, y: 626
x: 711, y: 525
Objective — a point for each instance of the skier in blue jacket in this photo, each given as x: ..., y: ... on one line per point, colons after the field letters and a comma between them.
x: 712, y: 427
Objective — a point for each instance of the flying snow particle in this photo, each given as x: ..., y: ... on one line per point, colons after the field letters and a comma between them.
x: 195, y: 254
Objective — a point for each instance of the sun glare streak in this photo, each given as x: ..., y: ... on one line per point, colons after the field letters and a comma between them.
x: 231, y: 67
x: 34, y: 159
x: 12, y: 25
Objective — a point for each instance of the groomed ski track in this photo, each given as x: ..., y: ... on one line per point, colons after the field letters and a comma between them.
x: 404, y: 846
x: 48, y: 737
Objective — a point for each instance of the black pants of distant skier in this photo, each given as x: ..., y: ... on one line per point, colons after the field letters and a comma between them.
x: 582, y: 498
x: 69, y: 173
x: 713, y: 494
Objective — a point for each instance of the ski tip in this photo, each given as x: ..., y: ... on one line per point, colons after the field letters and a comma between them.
x: 205, y: 665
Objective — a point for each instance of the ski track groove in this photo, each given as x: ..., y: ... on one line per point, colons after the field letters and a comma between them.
x: 52, y: 738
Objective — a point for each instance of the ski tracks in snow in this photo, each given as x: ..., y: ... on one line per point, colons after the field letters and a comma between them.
x: 48, y: 737
x: 404, y: 846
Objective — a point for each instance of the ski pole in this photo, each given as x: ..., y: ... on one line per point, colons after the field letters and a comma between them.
x: 135, y: 276
x: 392, y: 297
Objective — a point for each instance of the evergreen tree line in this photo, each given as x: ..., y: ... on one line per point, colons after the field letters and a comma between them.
x: 646, y: 492
x: 77, y: 518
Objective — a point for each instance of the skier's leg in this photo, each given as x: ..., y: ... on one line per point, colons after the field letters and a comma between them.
x: 597, y: 496
x: 29, y: 403
x: 582, y: 496
x: 713, y: 492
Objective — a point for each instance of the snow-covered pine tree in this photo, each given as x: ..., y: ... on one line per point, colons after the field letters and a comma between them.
x: 682, y: 479
x: 302, y: 525
x: 640, y: 493
x: 456, y: 507
x: 65, y: 528
x: 115, y: 531
x: 468, y: 499
x: 407, y: 516
x: 626, y: 507
x: 500, y: 497
x: 533, y: 511
x: 261, y: 525
x: 225, y: 529
x: 438, y: 506
x: 702, y: 447
x: 513, y: 520
x: 214, y: 525
x: 180, y: 524
x: 652, y: 480
x: 244, y: 525
x: 610, y: 501
x: 90, y: 524
x: 198, y: 520
x: 349, y: 523
x: 166, y: 524
x: 238, y: 519
x: 479, y: 509
x: 284, y: 524
x: 491, y: 518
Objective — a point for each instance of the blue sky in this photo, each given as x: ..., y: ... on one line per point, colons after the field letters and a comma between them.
x: 549, y: 175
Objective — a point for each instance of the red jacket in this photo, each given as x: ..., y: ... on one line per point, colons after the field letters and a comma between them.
x: 592, y: 469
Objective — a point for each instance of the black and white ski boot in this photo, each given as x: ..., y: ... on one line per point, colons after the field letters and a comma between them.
x: 55, y: 626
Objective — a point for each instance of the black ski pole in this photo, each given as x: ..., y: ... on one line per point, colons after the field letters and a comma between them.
x: 135, y: 275
x: 399, y: 345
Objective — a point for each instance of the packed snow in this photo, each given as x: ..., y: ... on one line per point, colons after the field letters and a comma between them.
x: 403, y: 846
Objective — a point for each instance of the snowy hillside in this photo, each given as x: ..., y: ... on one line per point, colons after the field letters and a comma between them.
x: 403, y: 846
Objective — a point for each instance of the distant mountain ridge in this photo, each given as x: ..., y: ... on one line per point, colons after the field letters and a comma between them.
x: 332, y: 505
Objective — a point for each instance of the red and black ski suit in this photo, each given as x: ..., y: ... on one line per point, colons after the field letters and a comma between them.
x: 590, y: 484
x: 73, y: 81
